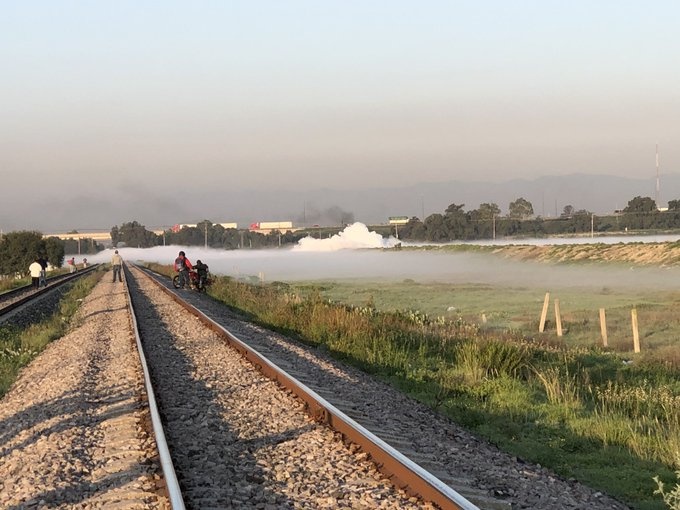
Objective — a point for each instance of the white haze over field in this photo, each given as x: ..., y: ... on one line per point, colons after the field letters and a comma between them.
x: 345, y: 256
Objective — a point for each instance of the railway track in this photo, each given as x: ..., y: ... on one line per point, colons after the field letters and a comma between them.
x: 295, y: 432
x: 237, y: 439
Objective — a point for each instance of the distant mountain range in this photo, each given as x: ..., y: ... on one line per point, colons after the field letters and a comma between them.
x: 600, y: 194
x: 549, y: 195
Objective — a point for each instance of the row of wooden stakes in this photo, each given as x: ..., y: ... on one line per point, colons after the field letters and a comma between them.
x: 603, y: 322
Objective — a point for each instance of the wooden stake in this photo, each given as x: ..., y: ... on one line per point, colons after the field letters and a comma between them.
x: 603, y: 327
x: 544, y: 313
x: 636, y: 335
x: 558, y: 319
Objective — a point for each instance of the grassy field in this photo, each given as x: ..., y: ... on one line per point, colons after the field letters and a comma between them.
x: 12, y: 283
x: 496, y: 308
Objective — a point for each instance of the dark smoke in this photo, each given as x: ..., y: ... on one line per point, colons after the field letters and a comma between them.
x: 332, y: 216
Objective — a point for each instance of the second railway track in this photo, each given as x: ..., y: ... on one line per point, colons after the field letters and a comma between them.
x: 16, y: 298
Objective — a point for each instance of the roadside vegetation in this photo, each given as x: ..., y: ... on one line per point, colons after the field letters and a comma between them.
x: 18, y: 346
x: 13, y: 283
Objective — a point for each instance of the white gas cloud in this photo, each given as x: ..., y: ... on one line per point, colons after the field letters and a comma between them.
x: 354, y: 236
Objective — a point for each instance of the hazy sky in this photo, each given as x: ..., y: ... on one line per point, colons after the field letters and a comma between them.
x: 129, y: 101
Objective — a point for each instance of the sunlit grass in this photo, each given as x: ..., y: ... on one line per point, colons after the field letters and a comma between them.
x: 500, y: 309
x: 12, y: 283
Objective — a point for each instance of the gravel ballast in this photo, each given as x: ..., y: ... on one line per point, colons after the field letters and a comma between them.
x: 73, y: 431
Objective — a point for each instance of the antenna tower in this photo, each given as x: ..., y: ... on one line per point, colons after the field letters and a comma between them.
x: 658, y: 196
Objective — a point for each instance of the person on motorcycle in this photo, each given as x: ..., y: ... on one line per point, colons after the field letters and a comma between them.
x: 183, y: 266
x: 202, y: 270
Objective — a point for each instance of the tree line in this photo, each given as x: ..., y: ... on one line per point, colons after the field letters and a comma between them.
x: 19, y: 249
x: 204, y: 233
x: 454, y: 223
x: 486, y: 222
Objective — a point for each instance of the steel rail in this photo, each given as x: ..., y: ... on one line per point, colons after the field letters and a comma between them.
x: 171, y: 483
x: 402, y: 472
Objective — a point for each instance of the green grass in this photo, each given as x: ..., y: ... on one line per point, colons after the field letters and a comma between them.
x: 501, y: 309
x: 12, y: 283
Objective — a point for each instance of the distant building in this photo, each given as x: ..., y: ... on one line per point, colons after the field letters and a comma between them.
x: 103, y: 237
x: 398, y: 220
x: 179, y: 226
x: 269, y: 226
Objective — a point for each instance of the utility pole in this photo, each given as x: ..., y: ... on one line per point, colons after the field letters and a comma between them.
x: 493, y: 216
x: 543, y: 203
x: 206, y: 234
x: 592, y: 225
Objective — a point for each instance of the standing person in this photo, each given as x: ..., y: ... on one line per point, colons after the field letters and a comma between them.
x: 84, y: 263
x: 72, y: 264
x: 43, y: 274
x: 183, y: 266
x: 117, y: 264
x: 35, y: 269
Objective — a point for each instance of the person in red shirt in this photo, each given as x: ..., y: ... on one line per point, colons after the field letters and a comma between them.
x: 183, y: 266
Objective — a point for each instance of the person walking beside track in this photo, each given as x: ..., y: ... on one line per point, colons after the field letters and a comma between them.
x: 35, y: 269
x: 43, y: 274
x: 183, y: 266
x: 117, y: 264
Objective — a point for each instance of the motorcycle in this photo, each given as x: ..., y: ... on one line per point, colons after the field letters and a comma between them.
x: 195, y: 281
